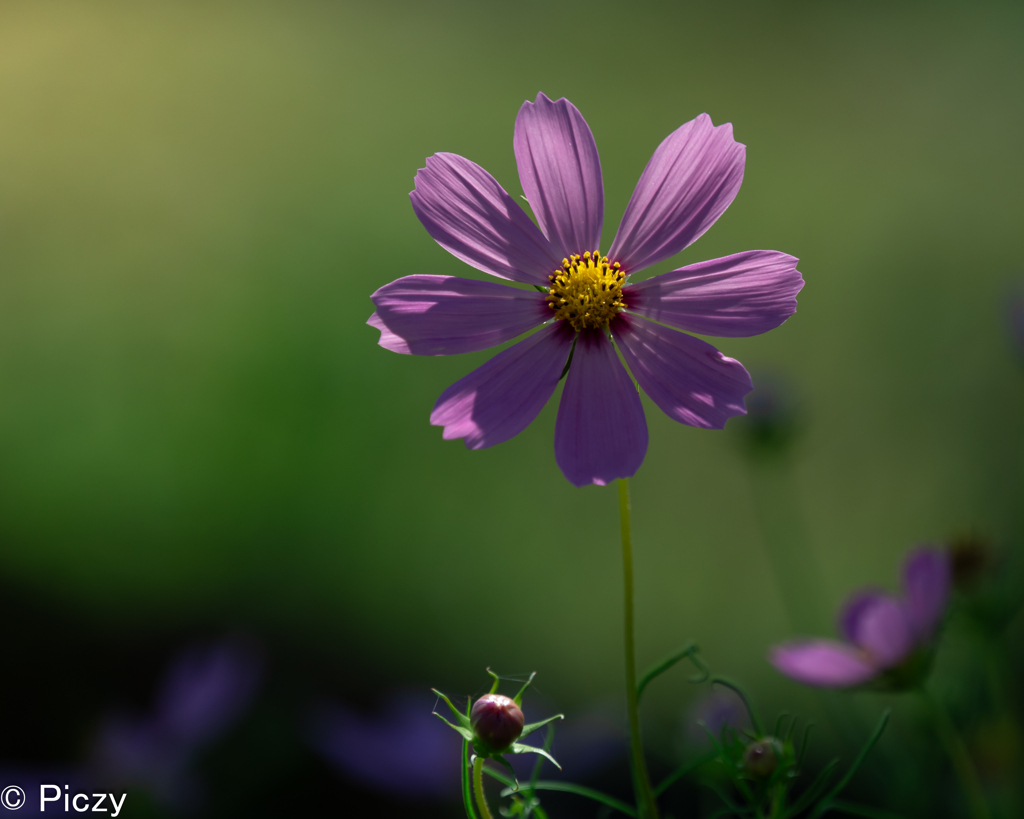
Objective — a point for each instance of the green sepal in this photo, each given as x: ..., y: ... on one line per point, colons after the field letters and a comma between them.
x: 519, y: 748
x: 465, y: 733
x: 494, y: 687
x: 533, y: 726
x: 518, y: 698
x: 463, y: 720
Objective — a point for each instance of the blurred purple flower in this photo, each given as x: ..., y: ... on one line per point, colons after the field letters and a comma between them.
x: 600, y: 432
x: 205, y: 690
x: 405, y: 750
x: 713, y: 713
x: 884, y: 635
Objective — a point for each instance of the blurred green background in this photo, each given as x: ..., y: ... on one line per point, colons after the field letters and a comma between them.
x: 197, y: 199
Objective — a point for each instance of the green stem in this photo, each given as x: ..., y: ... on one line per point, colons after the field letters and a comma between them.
x: 478, y: 788
x: 955, y: 747
x: 647, y: 807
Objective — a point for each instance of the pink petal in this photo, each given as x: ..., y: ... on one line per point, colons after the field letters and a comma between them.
x: 444, y: 315
x: 883, y: 631
x: 601, y: 432
x: 926, y: 582
x: 469, y: 214
x: 853, y: 608
x: 388, y: 340
x: 561, y: 173
x: 740, y: 295
x: 692, y: 178
x: 822, y: 663
x: 499, y: 400
x: 689, y: 379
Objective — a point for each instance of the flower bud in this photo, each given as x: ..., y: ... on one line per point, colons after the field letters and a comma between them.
x: 497, y: 721
x: 761, y: 758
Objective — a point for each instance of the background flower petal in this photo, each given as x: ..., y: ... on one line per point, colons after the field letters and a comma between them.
x: 471, y: 216
x: 853, y: 608
x: 883, y: 631
x: 822, y: 663
x: 499, y: 400
x: 690, y: 380
x: 444, y: 315
x: 739, y: 295
x: 601, y: 432
x: 689, y: 182
x: 561, y: 173
x: 926, y: 582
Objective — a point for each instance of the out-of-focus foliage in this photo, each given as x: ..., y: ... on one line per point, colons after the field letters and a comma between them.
x: 196, y: 200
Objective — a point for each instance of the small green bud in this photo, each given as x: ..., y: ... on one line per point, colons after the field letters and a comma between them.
x: 761, y: 758
x: 497, y: 722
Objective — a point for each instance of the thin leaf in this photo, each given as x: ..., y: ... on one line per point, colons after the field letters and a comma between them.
x: 506, y: 780
x: 467, y: 788
x: 853, y: 809
x: 664, y: 666
x: 518, y: 698
x: 540, y: 760
x: 791, y: 731
x: 494, y: 687
x: 463, y: 719
x: 778, y: 724
x: 683, y: 770
x: 719, y: 751
x: 508, y: 767
x: 541, y: 813
x: 842, y: 783
x: 518, y: 748
x: 533, y: 726
x: 817, y: 786
x: 803, y: 746
x: 580, y: 790
x: 743, y: 696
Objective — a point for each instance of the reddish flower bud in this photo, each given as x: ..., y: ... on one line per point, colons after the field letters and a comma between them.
x: 497, y: 721
x: 761, y: 758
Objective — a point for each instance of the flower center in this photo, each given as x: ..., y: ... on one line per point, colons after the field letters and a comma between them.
x: 587, y: 291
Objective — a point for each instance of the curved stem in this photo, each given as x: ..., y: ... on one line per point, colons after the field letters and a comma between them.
x: 478, y: 788
x: 647, y: 807
x: 955, y: 747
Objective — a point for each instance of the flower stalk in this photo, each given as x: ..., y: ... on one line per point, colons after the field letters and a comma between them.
x: 478, y: 788
x: 648, y: 808
x: 956, y: 749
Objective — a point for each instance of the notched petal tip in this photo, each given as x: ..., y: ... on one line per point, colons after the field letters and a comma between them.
x: 693, y: 176
x: 560, y: 172
x: 470, y: 215
x: 388, y: 340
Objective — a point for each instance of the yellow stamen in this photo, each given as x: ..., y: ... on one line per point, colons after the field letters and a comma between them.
x: 586, y: 291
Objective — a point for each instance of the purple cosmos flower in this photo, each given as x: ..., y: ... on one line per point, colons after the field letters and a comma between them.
x: 885, y: 636
x: 404, y: 751
x: 204, y: 692
x: 586, y: 299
